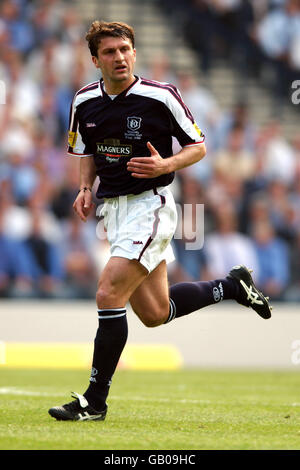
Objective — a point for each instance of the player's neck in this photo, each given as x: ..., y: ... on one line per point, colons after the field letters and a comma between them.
x: 115, y: 88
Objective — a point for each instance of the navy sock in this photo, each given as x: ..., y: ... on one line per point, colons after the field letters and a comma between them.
x: 109, y: 342
x: 187, y: 297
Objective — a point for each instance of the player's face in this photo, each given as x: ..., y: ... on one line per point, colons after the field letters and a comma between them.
x: 116, y: 59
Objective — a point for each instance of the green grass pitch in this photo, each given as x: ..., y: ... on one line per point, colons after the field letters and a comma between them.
x: 169, y: 410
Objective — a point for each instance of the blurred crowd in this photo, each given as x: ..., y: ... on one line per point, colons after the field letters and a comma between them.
x: 261, y: 38
x: 248, y: 184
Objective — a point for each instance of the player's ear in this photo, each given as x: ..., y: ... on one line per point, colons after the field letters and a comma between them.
x: 95, y: 62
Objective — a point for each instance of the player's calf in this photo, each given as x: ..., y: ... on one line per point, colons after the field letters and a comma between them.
x: 154, y: 317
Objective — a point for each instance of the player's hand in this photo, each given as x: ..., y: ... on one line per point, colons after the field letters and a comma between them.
x: 148, y: 167
x: 83, y: 204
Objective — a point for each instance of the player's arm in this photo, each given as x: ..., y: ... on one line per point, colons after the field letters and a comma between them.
x: 155, y: 165
x: 186, y: 157
x: 83, y: 203
x: 76, y: 147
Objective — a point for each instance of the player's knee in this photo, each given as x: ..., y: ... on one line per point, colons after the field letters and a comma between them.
x: 106, y: 298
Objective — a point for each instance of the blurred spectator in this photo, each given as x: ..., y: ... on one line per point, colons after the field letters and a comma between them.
x: 259, y: 210
x: 44, y: 258
x: 203, y: 105
x: 279, y: 161
x: 24, y: 177
x: 273, y: 32
x: 42, y: 242
x: 233, y: 161
x: 292, y: 292
x: 19, y: 28
x: 48, y: 159
x: 14, y: 272
x: 78, y: 258
x: 34, y: 233
x: 278, y: 37
x: 221, y: 192
x: 64, y: 96
x: 189, y: 235
x: 52, y: 57
x: 50, y: 14
x: 273, y: 260
x: 72, y: 29
x: 294, y: 194
x: 238, y: 117
x: 47, y: 114
x: 24, y: 94
x: 282, y: 213
x: 199, y: 29
x: 206, y: 113
x: 225, y: 246
x: 66, y: 190
x: 274, y: 205
x: 294, y: 49
x: 159, y: 69
x: 15, y: 138
x: 41, y: 26
x: 234, y: 19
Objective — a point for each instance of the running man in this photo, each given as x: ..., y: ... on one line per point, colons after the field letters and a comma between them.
x: 121, y: 128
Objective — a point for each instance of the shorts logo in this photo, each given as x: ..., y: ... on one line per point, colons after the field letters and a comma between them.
x: 134, y: 123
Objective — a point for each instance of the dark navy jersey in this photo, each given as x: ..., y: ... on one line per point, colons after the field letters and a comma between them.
x: 115, y: 130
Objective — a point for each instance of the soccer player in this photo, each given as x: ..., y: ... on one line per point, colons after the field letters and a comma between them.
x: 121, y: 128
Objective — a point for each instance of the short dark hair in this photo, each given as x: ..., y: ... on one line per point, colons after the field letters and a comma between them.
x: 101, y: 29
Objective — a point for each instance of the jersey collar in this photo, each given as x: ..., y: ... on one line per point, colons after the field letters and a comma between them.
x: 123, y: 94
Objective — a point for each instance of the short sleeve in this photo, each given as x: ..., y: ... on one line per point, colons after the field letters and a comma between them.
x: 186, y: 129
x: 76, y: 146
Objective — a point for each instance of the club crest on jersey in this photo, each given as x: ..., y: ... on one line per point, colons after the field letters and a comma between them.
x: 133, y: 125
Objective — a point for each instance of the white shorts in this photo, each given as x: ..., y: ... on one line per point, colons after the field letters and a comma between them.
x: 141, y: 226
